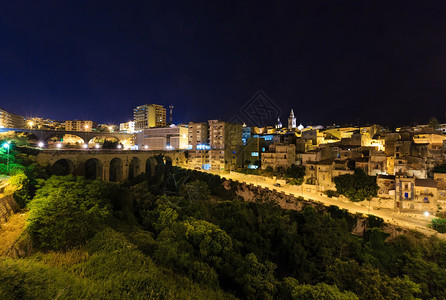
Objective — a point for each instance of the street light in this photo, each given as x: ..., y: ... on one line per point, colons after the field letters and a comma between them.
x: 59, y: 145
x: 146, y: 147
x: 6, y: 146
x: 40, y: 144
x: 85, y: 146
x: 119, y: 146
x: 97, y: 146
x: 31, y: 124
x: 426, y: 214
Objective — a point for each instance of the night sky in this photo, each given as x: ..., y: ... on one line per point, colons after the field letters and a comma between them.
x: 332, y: 61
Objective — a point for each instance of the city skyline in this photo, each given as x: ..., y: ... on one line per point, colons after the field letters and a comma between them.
x: 100, y: 60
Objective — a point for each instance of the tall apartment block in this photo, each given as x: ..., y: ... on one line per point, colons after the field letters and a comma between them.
x: 198, y: 135
x: 148, y: 116
x: 223, y: 135
x: 9, y: 120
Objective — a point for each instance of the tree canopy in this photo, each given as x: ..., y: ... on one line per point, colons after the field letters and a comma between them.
x: 358, y: 186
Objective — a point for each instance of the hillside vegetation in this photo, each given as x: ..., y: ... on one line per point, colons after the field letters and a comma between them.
x: 182, y: 234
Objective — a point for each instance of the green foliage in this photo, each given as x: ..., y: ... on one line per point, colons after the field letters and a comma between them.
x: 113, y: 268
x: 195, y: 239
x: 357, y: 187
x: 295, y: 174
x: 257, y: 279
x: 291, y: 289
x: 66, y: 211
x: 433, y: 122
x: 368, y: 283
x: 439, y: 225
x: 331, y: 193
x: 19, y: 187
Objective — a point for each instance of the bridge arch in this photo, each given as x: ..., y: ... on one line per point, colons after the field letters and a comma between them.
x: 62, y: 134
x: 150, y: 166
x: 91, y: 138
x: 134, y: 167
x: 93, y: 169
x: 116, y: 170
x: 62, y: 167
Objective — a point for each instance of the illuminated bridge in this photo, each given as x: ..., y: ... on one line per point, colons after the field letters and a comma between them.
x: 45, y: 135
x: 108, y: 165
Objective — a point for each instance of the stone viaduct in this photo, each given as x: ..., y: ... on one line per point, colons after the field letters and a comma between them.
x: 108, y: 165
x: 45, y: 135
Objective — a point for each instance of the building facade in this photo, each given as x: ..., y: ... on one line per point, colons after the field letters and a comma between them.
x: 198, y: 135
x: 128, y: 127
x: 166, y: 138
x: 279, y: 156
x: 10, y: 120
x: 78, y: 125
x: 148, y: 116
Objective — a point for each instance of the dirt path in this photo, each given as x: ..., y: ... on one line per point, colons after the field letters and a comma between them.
x: 11, y: 230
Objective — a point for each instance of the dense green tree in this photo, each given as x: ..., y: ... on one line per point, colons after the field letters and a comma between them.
x: 433, y: 122
x: 439, y: 224
x: 19, y: 187
x: 66, y: 211
x: 256, y: 279
x: 358, y: 186
x: 291, y: 289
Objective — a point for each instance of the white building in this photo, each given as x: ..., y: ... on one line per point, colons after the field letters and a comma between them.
x: 128, y: 127
x: 166, y: 138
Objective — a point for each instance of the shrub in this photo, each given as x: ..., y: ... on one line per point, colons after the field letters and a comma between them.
x: 19, y: 188
x: 439, y: 225
x: 66, y: 211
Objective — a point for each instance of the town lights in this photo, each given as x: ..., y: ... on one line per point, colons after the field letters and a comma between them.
x: 40, y: 144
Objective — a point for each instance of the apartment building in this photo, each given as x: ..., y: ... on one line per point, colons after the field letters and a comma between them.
x: 198, y: 135
x: 10, y: 120
x: 148, y: 116
x: 77, y: 125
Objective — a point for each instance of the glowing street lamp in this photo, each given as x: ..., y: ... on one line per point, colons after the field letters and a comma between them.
x: 85, y: 146
x: 97, y: 146
x: 40, y: 144
x: 59, y: 145
x: 146, y: 147
x: 119, y: 146
x: 6, y: 146
x: 426, y: 214
x: 31, y: 124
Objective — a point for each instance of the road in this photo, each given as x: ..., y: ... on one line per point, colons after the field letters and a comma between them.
x: 409, y: 221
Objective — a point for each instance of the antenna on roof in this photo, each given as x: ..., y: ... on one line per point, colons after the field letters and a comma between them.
x: 171, y: 114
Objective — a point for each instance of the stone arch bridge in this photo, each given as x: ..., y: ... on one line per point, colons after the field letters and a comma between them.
x: 45, y: 135
x: 108, y: 165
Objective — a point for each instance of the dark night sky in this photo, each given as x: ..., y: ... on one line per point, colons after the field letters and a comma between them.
x: 332, y: 61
